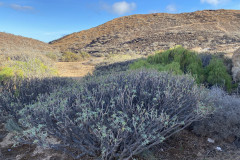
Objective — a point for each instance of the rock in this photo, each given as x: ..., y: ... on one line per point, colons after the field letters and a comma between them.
x: 210, y: 140
x: 236, y: 65
x: 219, y: 149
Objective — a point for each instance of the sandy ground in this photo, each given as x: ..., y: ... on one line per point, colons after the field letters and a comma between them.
x: 77, y: 69
x: 80, y: 69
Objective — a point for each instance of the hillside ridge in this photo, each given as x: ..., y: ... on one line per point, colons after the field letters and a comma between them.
x: 14, y: 44
x: 207, y: 30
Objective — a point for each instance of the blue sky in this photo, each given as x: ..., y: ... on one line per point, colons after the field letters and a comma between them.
x: 48, y: 20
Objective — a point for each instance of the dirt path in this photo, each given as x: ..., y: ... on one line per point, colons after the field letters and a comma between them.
x: 77, y: 69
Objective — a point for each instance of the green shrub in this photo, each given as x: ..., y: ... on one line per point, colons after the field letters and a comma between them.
x: 7, y: 73
x: 206, y: 69
x: 173, y: 67
x: 116, y: 116
x: 74, y: 57
x: 84, y: 55
x: 18, y: 70
x: 216, y: 73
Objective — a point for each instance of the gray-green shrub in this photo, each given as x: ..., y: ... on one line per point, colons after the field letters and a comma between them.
x: 225, y: 121
x: 14, y: 95
x: 103, y: 69
x: 116, y: 116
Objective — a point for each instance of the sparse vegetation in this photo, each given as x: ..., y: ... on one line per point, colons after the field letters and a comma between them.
x: 52, y: 56
x: 18, y: 70
x: 94, y: 117
x: 74, y: 57
x: 116, y: 58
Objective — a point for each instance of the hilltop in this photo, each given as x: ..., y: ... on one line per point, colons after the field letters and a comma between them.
x: 12, y: 44
x: 204, y: 31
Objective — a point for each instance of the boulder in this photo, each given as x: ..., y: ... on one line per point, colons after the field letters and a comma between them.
x: 236, y: 65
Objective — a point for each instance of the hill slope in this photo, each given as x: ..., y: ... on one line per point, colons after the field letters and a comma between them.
x: 12, y: 44
x: 209, y: 30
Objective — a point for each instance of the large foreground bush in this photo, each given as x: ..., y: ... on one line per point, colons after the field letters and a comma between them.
x: 113, y: 117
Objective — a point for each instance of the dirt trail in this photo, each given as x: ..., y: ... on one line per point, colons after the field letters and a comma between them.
x: 77, y: 69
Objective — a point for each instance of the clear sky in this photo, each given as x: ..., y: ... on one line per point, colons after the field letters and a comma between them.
x: 48, y: 20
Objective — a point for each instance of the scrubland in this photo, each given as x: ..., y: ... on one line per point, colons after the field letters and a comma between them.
x: 125, y: 110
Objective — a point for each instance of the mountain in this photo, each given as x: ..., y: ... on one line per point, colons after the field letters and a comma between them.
x: 12, y: 44
x: 204, y: 31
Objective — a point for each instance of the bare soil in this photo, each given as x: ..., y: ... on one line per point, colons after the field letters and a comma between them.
x: 77, y: 69
x: 183, y: 146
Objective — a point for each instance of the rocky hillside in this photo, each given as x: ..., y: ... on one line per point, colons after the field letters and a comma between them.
x: 12, y: 44
x: 208, y: 30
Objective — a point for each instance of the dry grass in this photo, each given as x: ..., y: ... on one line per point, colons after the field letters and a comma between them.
x: 73, y: 69
x: 80, y: 69
x: 77, y: 69
x: 12, y: 44
x: 114, y: 58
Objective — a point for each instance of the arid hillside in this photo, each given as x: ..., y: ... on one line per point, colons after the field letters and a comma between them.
x: 12, y: 44
x: 208, y: 30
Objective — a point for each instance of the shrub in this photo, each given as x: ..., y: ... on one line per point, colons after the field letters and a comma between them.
x: 178, y: 54
x: 104, y: 69
x: 224, y: 122
x: 17, y: 70
x: 74, y: 57
x: 177, y: 60
x: 7, y: 73
x: 206, y: 69
x: 205, y: 58
x: 14, y: 95
x: 26, y: 57
x: 116, y: 116
x: 52, y: 56
x: 85, y: 55
x: 173, y: 67
x: 217, y: 74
